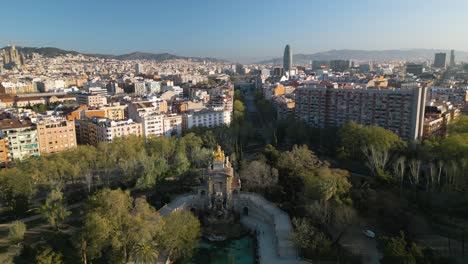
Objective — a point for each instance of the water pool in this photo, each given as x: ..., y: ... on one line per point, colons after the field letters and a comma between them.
x: 236, y: 251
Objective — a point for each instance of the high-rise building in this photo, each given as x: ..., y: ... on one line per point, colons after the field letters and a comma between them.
x: 287, y: 59
x: 452, y: 58
x: 414, y: 68
x: 399, y: 110
x: 440, y: 60
x: 339, y: 65
x: 139, y: 68
x: 278, y: 72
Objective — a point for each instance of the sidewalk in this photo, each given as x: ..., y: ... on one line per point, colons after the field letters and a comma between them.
x: 266, y: 242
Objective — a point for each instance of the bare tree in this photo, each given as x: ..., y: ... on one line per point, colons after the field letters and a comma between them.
x: 430, y: 175
x: 399, y: 169
x: 451, y: 170
x: 440, y: 168
x: 415, y: 168
x: 377, y: 159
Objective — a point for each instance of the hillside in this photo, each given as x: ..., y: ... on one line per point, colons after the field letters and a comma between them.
x: 54, y: 52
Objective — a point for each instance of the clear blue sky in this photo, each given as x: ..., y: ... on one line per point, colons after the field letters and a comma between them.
x: 236, y: 30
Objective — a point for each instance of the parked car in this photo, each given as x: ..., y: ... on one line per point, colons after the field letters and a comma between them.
x: 369, y: 233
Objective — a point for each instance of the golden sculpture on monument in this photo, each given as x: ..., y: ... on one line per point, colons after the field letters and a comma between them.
x: 218, y: 155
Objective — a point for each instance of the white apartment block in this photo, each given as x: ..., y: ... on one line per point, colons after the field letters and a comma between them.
x: 172, y: 125
x: 207, y: 118
x: 20, y: 137
x: 149, y: 114
x: 153, y: 87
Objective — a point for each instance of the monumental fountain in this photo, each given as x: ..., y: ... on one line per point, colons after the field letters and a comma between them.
x: 223, y: 209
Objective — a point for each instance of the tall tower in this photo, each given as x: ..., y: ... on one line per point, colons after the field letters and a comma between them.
x: 452, y: 58
x: 287, y: 59
x: 439, y: 60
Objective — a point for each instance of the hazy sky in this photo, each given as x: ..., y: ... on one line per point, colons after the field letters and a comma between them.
x: 236, y: 30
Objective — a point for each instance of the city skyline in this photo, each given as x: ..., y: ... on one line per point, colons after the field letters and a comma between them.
x: 235, y: 31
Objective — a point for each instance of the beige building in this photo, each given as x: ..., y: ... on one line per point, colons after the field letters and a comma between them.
x: 96, y: 130
x: 56, y: 135
x: 114, y: 112
x: 91, y: 99
x: 29, y: 101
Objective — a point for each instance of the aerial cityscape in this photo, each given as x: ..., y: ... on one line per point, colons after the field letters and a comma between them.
x: 198, y: 132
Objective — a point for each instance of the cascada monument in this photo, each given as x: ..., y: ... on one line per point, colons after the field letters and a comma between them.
x: 220, y: 196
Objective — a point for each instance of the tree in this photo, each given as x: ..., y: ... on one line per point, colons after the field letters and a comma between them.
x: 114, y: 218
x: 396, y: 250
x: 300, y: 158
x: 272, y: 155
x: 180, y: 234
x: 209, y: 139
x: 325, y: 184
x: 376, y: 160
x: 257, y: 175
x: 154, y: 168
x: 48, y: 256
x: 399, y: 167
x: 239, y: 110
x: 16, y: 188
x: 145, y: 253
x: 309, y: 239
x: 180, y: 162
x: 54, y: 209
x: 93, y: 237
x: 16, y: 232
x: 356, y: 139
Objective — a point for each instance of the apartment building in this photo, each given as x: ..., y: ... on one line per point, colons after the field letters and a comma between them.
x: 20, y: 138
x: 399, y: 110
x: 96, y: 130
x: 206, y: 118
x: 95, y: 100
x: 56, y: 135
x: 172, y: 125
x: 4, y: 157
x: 114, y: 112
x: 140, y: 88
x: 150, y: 115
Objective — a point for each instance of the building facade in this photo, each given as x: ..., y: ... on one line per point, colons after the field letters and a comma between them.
x: 287, y: 59
x: 206, y: 118
x: 399, y: 110
x: 172, y: 125
x: 440, y: 60
x: 56, y: 136
x: 20, y: 138
x: 97, y: 130
x: 91, y: 99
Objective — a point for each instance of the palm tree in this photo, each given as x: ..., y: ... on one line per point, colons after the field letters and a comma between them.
x: 145, y: 253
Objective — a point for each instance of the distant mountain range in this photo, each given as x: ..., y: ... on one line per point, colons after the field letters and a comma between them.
x: 54, y: 52
x: 415, y: 55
